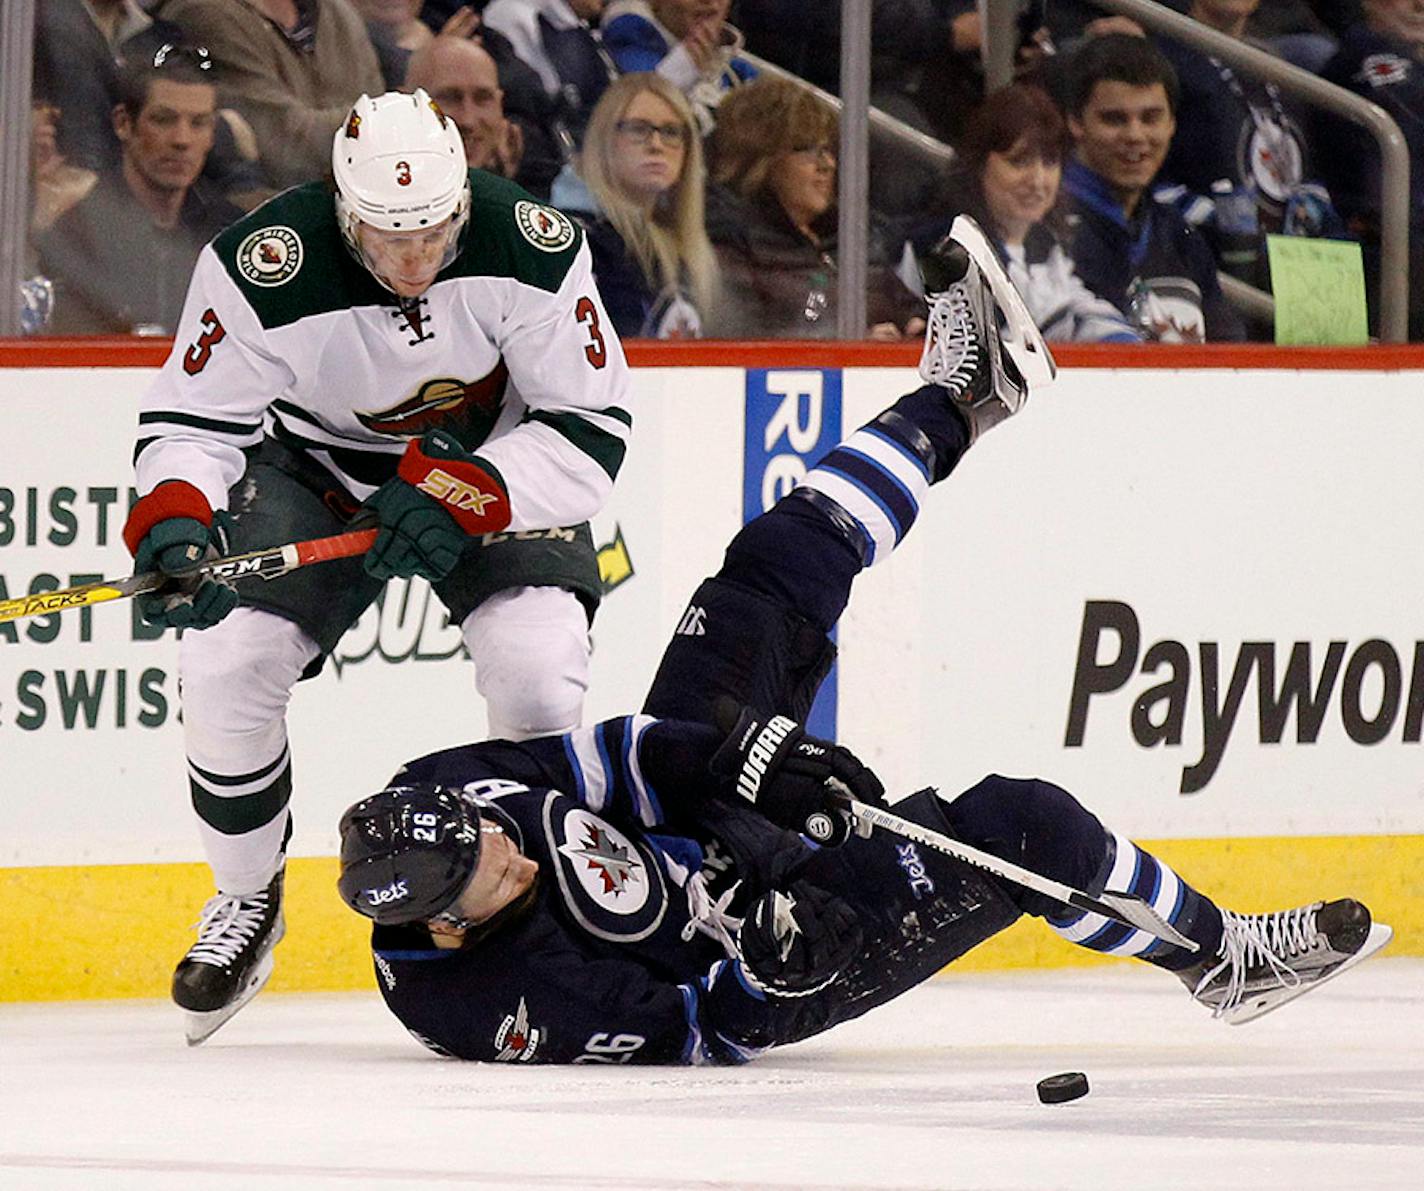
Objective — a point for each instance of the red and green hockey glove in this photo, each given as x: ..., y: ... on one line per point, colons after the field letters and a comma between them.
x: 172, y: 529
x: 439, y: 498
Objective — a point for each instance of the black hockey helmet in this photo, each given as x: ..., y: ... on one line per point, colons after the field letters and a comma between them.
x: 408, y: 852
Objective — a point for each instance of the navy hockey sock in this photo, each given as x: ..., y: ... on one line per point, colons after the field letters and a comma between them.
x: 872, y: 484
x: 1128, y: 869
x: 1045, y: 829
x: 930, y: 425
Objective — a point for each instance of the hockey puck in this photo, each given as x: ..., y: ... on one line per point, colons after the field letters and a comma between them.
x: 1057, y: 1089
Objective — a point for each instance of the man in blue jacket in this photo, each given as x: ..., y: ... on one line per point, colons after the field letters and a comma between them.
x: 1138, y: 253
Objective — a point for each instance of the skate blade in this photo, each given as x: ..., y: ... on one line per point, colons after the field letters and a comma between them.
x: 199, y: 1027
x: 1264, y: 1003
x: 1020, y: 336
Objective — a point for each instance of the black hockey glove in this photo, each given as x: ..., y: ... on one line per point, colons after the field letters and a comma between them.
x: 796, y: 942
x: 172, y: 529
x: 784, y: 773
x: 440, y: 496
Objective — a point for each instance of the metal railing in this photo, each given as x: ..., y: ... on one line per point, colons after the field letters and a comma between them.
x: 17, y: 30
x: 1001, y: 40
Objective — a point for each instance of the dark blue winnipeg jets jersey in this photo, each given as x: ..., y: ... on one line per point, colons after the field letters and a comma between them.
x: 608, y: 965
x: 618, y: 959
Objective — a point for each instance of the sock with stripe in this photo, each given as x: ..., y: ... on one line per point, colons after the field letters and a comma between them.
x: 1129, y: 869
x: 873, y: 483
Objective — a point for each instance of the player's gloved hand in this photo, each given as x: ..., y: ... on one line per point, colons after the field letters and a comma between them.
x: 439, y: 497
x: 797, y: 941
x: 789, y: 776
x: 172, y: 529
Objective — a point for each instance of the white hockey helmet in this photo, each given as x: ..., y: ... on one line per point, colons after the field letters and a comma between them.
x: 399, y: 166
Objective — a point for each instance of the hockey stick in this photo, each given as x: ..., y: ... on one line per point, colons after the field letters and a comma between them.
x: 269, y: 563
x: 1120, y: 907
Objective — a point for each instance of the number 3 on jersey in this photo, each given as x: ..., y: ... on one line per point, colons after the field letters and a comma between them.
x: 195, y: 359
x: 596, y: 350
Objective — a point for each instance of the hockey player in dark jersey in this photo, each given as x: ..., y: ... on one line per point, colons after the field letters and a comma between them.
x: 684, y: 885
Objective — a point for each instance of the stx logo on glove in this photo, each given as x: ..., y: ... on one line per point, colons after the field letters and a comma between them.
x: 759, y: 755
x: 455, y: 492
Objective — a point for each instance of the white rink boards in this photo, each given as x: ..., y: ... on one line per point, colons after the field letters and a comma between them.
x: 1198, y: 533
x: 1188, y: 595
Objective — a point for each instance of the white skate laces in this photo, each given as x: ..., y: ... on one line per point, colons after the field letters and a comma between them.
x: 711, y: 917
x: 1259, y: 942
x: 1265, y: 960
x: 226, y: 926
x: 952, y: 354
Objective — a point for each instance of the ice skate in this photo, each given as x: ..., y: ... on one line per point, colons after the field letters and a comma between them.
x: 231, y: 960
x: 1265, y: 960
x: 981, y: 343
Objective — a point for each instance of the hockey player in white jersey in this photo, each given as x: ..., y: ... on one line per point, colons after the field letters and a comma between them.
x: 424, y: 351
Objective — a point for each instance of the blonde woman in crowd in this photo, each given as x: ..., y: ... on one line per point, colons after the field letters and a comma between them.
x: 639, y: 193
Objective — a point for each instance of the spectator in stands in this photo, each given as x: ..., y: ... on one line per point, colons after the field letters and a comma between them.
x: 558, y: 39
x: 1379, y: 59
x: 121, y: 258
x: 1337, y: 15
x: 772, y: 218
x: 688, y: 42
x: 291, y: 67
x: 641, y: 204
x: 1010, y: 167
x: 549, y: 132
x: 1238, y: 167
x: 1138, y: 253
x: 55, y: 183
x: 396, y: 32
x: 462, y: 78
x: 79, y: 47
x: 1291, y: 30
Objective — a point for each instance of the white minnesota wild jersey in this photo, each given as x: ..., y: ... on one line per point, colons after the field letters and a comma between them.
x: 284, y: 333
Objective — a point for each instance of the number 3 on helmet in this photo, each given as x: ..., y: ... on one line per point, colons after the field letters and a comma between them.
x: 399, y: 165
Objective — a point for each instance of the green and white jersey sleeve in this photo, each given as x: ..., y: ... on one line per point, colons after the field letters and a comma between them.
x: 210, y: 398
x: 567, y: 367
x: 510, y: 351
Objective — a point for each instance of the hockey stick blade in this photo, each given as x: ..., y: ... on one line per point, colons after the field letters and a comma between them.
x: 1123, y: 908
x: 269, y: 563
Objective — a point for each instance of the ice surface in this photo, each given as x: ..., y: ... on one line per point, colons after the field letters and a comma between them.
x: 933, y: 1091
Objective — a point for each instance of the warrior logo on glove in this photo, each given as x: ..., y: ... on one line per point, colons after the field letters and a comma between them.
x: 791, y: 777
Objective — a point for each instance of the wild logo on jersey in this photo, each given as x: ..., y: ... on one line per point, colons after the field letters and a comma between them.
x: 270, y: 256
x: 612, y: 884
x: 467, y: 409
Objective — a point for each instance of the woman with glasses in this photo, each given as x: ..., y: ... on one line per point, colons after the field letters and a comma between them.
x: 638, y: 191
x: 772, y: 217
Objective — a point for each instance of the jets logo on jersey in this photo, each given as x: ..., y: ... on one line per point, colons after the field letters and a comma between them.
x: 270, y: 256
x: 609, y: 862
x: 1383, y: 70
x: 547, y: 229
x: 467, y: 409
x: 515, y: 1040
x: 611, y: 883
